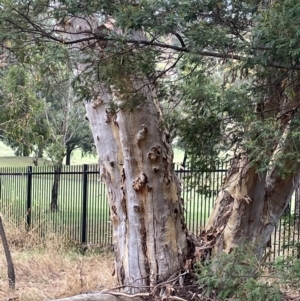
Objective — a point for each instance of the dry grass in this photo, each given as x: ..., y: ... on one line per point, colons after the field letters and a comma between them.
x: 52, y: 267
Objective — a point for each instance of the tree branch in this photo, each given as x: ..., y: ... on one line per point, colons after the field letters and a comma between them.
x: 38, y: 30
x: 174, y: 47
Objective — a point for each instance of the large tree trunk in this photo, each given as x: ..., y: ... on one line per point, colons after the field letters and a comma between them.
x: 248, y: 207
x: 135, y: 162
x: 251, y: 203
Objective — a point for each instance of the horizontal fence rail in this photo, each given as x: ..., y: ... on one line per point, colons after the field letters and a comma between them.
x: 82, y: 212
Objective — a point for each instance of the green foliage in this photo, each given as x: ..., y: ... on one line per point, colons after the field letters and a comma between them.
x: 288, y: 271
x: 211, y: 62
x: 279, y: 31
x: 39, y: 95
x: 237, y: 276
x: 21, y: 111
x: 240, y: 276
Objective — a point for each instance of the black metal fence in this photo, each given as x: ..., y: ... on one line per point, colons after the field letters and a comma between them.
x: 83, y: 213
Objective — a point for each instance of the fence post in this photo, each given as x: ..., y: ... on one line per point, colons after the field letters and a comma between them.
x: 84, y: 203
x: 29, y: 190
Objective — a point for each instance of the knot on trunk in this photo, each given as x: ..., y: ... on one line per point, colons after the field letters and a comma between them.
x: 140, y: 181
x: 154, y: 152
x: 96, y: 102
x: 168, y: 179
x: 109, y: 115
x: 142, y: 133
x: 155, y: 168
x: 102, y: 32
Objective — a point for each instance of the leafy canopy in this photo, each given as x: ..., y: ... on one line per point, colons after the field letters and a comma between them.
x: 226, y: 72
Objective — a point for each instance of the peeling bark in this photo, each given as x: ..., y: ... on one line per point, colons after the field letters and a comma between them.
x: 146, y: 210
x: 251, y: 203
x: 247, y: 209
x: 136, y: 165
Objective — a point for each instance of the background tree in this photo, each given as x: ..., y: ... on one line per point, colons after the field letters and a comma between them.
x: 58, y: 126
x: 21, y: 111
x: 46, y: 78
x: 65, y: 116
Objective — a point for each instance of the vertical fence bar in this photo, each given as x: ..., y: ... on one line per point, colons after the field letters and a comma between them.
x: 29, y: 194
x: 289, y: 225
x: 84, y: 203
x: 74, y: 188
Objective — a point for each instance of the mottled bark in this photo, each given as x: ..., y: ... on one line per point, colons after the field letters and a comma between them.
x: 136, y: 165
x: 10, y: 266
x: 247, y: 208
x: 251, y: 203
x: 144, y: 193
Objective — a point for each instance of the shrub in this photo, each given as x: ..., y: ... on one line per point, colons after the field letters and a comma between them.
x: 237, y: 276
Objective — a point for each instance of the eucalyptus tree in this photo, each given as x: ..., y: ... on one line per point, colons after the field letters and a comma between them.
x: 122, y: 52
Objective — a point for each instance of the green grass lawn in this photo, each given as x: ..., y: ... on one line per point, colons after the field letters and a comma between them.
x: 14, y: 196
x: 8, y: 159
x: 14, y: 161
x: 68, y: 219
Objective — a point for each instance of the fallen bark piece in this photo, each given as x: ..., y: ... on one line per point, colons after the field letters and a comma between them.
x: 98, y: 297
